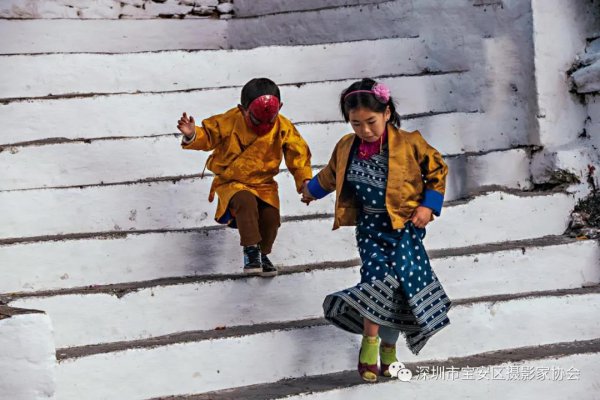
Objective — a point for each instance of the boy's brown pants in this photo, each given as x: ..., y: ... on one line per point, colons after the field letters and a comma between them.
x: 256, y: 220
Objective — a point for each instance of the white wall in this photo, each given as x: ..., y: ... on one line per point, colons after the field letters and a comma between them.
x: 27, y: 356
x: 561, y: 30
x: 107, y: 9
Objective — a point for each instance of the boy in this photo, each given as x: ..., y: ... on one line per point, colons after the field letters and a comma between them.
x: 248, y: 144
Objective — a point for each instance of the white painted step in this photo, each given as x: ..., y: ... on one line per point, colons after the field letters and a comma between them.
x: 128, y: 257
x: 184, y: 70
x: 163, y: 205
x: 116, y: 160
x: 574, y: 377
x: 251, y: 8
x: 546, y: 364
x: 326, y: 25
x: 130, y: 160
x: 106, y: 9
x: 210, y: 364
x: 455, y: 133
x: 117, y: 36
x: 27, y: 355
x: 140, y: 206
x: 155, y: 114
x: 84, y: 317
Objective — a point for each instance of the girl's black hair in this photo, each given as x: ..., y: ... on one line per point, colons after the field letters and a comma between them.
x: 258, y: 87
x: 366, y: 100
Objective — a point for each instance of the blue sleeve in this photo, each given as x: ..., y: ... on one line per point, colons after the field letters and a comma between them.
x: 434, y: 200
x: 315, y: 189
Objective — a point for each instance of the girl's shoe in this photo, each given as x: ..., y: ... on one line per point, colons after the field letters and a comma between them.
x: 368, y: 369
x: 387, y: 356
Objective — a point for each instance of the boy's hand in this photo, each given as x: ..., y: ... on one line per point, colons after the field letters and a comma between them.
x: 306, y: 196
x: 186, y: 125
x: 421, y: 216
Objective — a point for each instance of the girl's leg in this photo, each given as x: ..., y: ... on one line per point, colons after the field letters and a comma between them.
x: 387, y: 351
x: 369, y: 351
x: 388, y: 336
x: 370, y: 328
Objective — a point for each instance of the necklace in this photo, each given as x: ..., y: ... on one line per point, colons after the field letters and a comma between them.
x: 367, y: 149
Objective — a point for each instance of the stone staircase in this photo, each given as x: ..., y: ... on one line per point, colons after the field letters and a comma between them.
x: 106, y: 228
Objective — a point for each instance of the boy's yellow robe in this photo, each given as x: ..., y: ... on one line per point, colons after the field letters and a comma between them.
x: 243, y: 160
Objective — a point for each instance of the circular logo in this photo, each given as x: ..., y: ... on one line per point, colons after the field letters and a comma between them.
x: 398, y: 370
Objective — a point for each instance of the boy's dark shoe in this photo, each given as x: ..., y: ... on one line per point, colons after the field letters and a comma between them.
x: 268, y: 269
x: 252, y: 263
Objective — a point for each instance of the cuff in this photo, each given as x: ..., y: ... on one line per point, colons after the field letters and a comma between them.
x: 185, y: 140
x: 434, y: 200
x: 302, y: 174
x: 315, y: 189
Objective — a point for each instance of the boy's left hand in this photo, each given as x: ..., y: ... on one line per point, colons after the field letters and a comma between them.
x: 306, y: 196
x: 421, y: 216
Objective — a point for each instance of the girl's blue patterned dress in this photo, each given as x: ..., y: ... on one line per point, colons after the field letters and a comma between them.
x: 398, y: 289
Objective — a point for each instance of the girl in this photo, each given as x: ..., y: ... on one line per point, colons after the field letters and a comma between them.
x: 388, y: 183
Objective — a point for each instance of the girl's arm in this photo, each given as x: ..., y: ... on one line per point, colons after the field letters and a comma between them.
x: 434, y: 171
x: 324, y: 182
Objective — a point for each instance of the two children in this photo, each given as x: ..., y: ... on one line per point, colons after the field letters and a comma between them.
x: 388, y: 183
x: 248, y: 144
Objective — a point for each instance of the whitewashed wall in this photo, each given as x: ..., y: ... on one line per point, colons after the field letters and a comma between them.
x: 561, y: 33
x: 27, y: 355
x: 111, y: 9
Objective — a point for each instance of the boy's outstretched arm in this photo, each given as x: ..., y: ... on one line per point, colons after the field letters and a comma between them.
x: 205, y: 137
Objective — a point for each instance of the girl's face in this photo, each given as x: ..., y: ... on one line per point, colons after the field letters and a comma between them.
x: 368, y: 125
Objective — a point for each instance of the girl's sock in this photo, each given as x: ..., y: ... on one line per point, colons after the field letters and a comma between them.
x: 388, y: 355
x: 369, y: 350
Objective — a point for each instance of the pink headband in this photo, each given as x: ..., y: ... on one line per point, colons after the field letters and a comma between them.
x: 379, y: 90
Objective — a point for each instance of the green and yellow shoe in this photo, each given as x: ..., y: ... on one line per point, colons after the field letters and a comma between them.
x: 367, y: 358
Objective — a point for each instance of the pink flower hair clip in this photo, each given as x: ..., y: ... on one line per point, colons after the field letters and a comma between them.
x: 381, y: 92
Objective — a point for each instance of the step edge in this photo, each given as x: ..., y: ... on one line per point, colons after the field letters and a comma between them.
x: 75, y: 352
x: 87, y: 95
x: 122, y: 289
x: 467, y: 156
x: 486, y: 191
x: 208, y: 50
x: 346, y: 379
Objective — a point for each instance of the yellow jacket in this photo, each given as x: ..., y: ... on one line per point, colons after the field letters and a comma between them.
x: 416, y: 176
x: 242, y: 160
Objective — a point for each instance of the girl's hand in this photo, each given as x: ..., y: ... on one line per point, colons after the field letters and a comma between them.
x: 186, y: 125
x: 421, y: 216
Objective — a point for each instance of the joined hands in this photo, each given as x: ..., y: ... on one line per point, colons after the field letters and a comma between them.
x: 306, y: 196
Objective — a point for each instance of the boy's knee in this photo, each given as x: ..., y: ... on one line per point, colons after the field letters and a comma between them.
x: 243, y: 200
x: 271, y: 216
